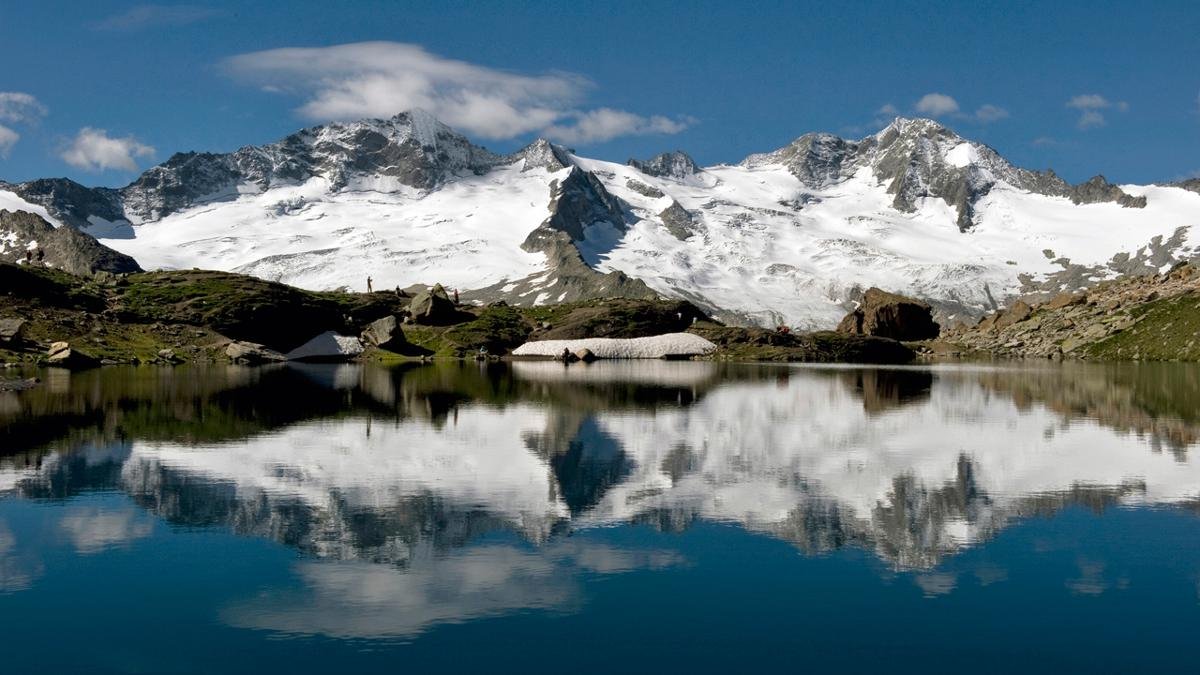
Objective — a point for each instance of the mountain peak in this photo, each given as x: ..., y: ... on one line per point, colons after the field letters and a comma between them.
x: 674, y: 164
x: 542, y: 154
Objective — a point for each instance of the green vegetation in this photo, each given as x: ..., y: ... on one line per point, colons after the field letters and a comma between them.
x: 238, y: 306
x: 1165, y: 330
x: 139, y: 317
x: 759, y: 344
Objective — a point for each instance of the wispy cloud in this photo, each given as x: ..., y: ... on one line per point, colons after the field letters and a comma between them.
x: 17, y: 107
x: 988, y: 113
x: 8, y: 138
x: 94, y: 150
x: 605, y: 124
x: 380, y: 79
x: 155, y: 16
x: 1091, y: 107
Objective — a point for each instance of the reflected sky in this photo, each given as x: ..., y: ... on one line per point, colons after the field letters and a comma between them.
x: 397, y: 504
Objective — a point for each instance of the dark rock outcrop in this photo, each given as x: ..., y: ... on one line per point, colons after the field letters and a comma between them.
x: 889, y: 315
x: 12, y: 331
x: 1098, y: 190
x: 63, y: 248
x: 678, y: 220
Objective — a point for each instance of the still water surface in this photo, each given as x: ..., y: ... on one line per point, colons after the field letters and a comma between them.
x: 616, y: 517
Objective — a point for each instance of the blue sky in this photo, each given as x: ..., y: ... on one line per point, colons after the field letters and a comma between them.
x: 99, y: 90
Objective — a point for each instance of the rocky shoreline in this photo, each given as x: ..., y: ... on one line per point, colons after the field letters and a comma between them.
x: 1135, y: 318
x: 51, y: 318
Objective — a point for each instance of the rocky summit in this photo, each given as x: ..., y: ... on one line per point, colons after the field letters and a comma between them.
x: 789, y: 236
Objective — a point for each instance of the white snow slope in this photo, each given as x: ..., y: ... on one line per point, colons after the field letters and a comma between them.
x: 763, y: 245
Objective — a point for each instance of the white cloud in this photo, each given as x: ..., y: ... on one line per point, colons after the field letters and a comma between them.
x: 937, y: 105
x: 8, y: 138
x: 943, y: 105
x: 605, y: 124
x: 380, y: 79
x: 988, y: 113
x: 94, y: 150
x: 148, y: 16
x: 887, y: 109
x: 94, y: 530
x: 17, y: 106
x: 1090, y: 107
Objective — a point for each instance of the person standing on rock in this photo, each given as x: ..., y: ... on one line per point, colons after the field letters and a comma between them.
x: 370, y: 288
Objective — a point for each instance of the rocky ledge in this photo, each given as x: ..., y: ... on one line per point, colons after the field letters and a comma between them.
x: 1148, y: 318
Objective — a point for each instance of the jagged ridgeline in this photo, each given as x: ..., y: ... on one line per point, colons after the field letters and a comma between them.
x: 792, y: 236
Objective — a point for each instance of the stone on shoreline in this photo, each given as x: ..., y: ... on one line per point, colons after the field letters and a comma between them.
x: 385, y: 333
x: 889, y: 315
x: 63, y: 355
x: 250, y: 353
x: 12, y: 331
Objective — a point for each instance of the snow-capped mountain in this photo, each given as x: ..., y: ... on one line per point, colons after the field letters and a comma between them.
x: 790, y: 236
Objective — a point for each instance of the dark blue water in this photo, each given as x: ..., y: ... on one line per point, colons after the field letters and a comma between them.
x: 668, y: 517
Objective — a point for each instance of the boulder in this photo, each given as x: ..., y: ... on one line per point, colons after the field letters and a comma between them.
x: 889, y: 315
x: 1066, y: 300
x: 386, y: 334
x: 586, y: 355
x: 12, y: 331
x: 1018, y: 312
x: 251, y: 354
x: 328, y: 346
x: 63, y: 355
x: 433, y: 307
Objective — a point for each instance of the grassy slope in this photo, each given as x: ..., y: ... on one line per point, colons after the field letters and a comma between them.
x: 1166, y: 330
x: 191, y: 311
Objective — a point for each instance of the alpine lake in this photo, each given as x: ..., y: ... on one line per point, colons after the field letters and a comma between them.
x: 637, y: 516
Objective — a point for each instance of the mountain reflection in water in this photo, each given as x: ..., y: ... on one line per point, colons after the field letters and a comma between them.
x: 404, y: 488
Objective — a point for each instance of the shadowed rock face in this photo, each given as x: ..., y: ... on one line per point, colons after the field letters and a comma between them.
x: 884, y: 314
x: 580, y: 201
x: 63, y: 248
x: 71, y: 202
x: 1192, y: 184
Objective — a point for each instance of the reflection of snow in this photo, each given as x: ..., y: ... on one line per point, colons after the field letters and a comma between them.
x: 480, y: 459
x: 651, y: 372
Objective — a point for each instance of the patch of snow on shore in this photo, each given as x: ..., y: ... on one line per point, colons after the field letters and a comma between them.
x: 656, y: 347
